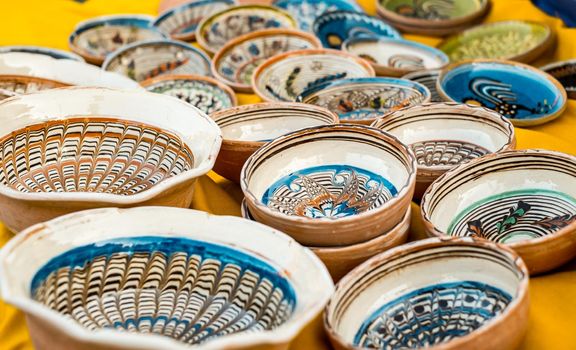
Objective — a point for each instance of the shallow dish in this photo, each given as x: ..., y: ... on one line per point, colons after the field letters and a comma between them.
x: 427, y: 78
x: 70, y: 149
x: 565, y: 72
x: 435, y: 294
x: 334, y: 28
x: 330, y: 185
x: 149, y: 59
x: 137, y: 282
x: 283, y: 77
x: 40, y: 50
x: 235, y: 63
x: 247, y: 128
x: 444, y: 135
x: 97, y: 37
x: 306, y: 11
x: 525, y: 95
x: 13, y: 85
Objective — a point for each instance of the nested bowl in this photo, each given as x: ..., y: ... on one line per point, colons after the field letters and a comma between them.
x: 444, y: 135
x: 41, y: 50
x: 565, y: 72
x: 434, y: 294
x: 161, y: 278
x: 70, y: 149
x: 523, y: 199
x: 306, y: 11
x: 13, y: 85
x: 247, y: 128
x: 330, y: 185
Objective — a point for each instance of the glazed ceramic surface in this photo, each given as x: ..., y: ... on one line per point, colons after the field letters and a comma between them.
x: 565, y: 72
x: 365, y: 99
x: 427, y: 78
x: 334, y: 28
x: 306, y: 11
x: 452, y: 294
x: 283, y: 77
x: 521, y: 93
x: 13, y: 85
x: 437, y: 11
x: 40, y: 50
x: 188, y: 279
x: 145, y: 60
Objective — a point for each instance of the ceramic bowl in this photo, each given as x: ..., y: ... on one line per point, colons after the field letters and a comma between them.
x: 283, y: 77
x: 523, y: 199
x: 207, y: 94
x: 149, y: 59
x: 334, y: 28
x: 133, y: 281
x: 435, y: 294
x: 525, y: 95
x: 306, y: 11
x: 428, y: 78
x: 221, y: 27
x: 565, y: 72
x: 40, y: 50
x: 247, y: 128
x: 521, y: 41
x: 331, y: 185
x: 13, y: 85
x: 444, y: 135
x: 70, y: 149
x: 97, y: 37
x: 362, y: 100
x: 395, y: 57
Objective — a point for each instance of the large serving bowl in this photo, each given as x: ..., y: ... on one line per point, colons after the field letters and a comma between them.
x: 434, y: 294
x: 71, y: 149
x: 13, y: 85
x: 330, y: 185
x: 523, y: 199
x: 41, y: 50
x: 161, y: 278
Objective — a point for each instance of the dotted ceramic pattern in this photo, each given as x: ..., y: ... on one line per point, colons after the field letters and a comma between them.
x: 306, y: 11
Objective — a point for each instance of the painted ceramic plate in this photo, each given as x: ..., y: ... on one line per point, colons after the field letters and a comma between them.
x: 306, y: 11
x: 525, y: 95
x: 334, y: 28
x: 14, y: 85
x: 145, y: 60
x: 40, y: 50
x: 427, y: 78
x: 565, y: 72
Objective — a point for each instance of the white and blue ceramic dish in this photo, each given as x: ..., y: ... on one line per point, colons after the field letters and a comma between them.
x: 428, y: 78
x: 306, y: 11
x: 40, y: 50
x: 565, y: 72
x: 334, y: 28
x: 525, y: 95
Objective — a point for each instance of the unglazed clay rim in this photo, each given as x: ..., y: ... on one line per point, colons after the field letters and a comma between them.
x: 247, y: 88
x: 301, y: 53
x: 313, y: 133
x: 559, y: 64
x: 30, y: 79
x: 516, y: 122
x: 42, y: 50
x: 208, y: 48
x: 402, y: 250
x: 164, y: 185
x: 282, y: 334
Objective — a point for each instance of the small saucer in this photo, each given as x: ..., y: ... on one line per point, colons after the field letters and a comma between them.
x: 306, y: 11
x: 428, y: 78
x: 565, y: 72
x: 40, y: 50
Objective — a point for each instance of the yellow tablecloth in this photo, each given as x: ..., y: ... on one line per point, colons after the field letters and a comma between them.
x: 553, y: 296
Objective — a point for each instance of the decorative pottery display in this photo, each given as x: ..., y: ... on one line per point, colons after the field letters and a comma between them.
x: 565, y: 72
x: 181, y: 22
x: 247, y: 128
x: 71, y: 149
x: 330, y: 185
x: 428, y: 78
x: 435, y: 294
x: 306, y: 11
x: 95, y: 38
x: 283, y: 77
x: 145, y: 60
x: 130, y: 281
x: 40, y: 50
x: 215, y: 31
x: 362, y: 100
x: 205, y: 93
x: 525, y: 95
x: 334, y: 28
x: 395, y: 57
x: 523, y: 199
x: 13, y: 85
x: 444, y: 135
x: 521, y: 41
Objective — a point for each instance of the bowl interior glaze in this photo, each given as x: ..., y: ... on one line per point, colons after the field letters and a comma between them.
x: 13, y: 85
x: 434, y: 10
x: 306, y: 11
x: 427, y: 78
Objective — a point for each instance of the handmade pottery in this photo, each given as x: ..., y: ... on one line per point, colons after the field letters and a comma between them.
x: 161, y: 278
x: 525, y: 95
x: 247, y: 128
x: 362, y: 100
x: 235, y: 63
x: 428, y: 78
x: 283, y: 77
x: 169, y: 4
x: 13, y: 85
x: 436, y: 294
x: 149, y: 59
x: 334, y: 28
x: 181, y: 21
x: 205, y: 93
x: 521, y: 41
x: 565, y: 72
x: 306, y: 11
x: 40, y: 50
x: 97, y: 37
x: 219, y: 28
x: 70, y: 149
x: 444, y: 135
x: 330, y: 186
x: 523, y: 199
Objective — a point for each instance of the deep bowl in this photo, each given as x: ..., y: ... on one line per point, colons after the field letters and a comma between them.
x: 306, y: 11
x: 161, y: 278
x: 565, y: 72
x: 41, y: 50
x: 428, y: 78
x: 13, y: 85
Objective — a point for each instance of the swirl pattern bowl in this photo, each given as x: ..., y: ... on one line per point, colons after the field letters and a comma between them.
x: 306, y: 11
x: 123, y: 279
x: 565, y: 72
x: 13, y: 85
x: 41, y: 50
x: 428, y: 78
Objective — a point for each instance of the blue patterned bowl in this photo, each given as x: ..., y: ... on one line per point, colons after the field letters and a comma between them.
x: 306, y: 11
x: 40, y: 50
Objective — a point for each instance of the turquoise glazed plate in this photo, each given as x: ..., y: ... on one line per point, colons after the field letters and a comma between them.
x: 306, y: 11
